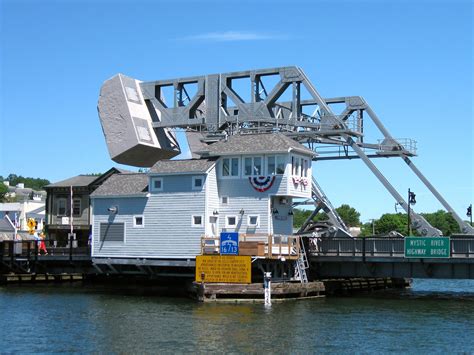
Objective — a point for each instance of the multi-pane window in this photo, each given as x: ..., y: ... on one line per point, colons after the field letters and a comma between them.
x: 253, y: 166
x: 76, y: 207
x: 230, y: 167
x: 275, y: 165
x: 61, y: 207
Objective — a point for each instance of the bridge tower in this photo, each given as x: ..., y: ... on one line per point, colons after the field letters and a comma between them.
x: 138, y: 122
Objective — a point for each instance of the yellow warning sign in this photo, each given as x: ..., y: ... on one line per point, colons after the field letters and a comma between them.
x: 228, y: 269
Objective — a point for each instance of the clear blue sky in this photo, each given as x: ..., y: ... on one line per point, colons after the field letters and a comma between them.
x: 411, y: 60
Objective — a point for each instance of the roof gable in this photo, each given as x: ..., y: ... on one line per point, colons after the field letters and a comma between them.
x: 188, y: 166
x: 123, y: 185
x: 255, y: 144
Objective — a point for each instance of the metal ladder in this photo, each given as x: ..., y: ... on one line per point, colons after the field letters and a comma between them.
x: 302, y: 265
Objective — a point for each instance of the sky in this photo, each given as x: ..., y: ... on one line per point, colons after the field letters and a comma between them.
x: 412, y: 61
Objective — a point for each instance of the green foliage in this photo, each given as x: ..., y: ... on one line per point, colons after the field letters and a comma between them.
x: 392, y: 222
x: 300, y: 216
x: 442, y: 220
x: 33, y: 183
x: 349, y: 215
x: 3, y: 191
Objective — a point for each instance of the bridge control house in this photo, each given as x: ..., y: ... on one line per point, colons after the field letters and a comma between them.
x: 243, y: 184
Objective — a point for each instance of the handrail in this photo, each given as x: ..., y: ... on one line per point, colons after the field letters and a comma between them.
x: 461, y: 247
x: 275, y: 246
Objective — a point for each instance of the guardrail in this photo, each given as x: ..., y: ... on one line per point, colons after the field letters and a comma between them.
x: 267, y: 246
x: 30, y: 249
x: 461, y: 247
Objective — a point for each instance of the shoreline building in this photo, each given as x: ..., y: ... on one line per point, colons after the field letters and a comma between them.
x: 245, y: 184
x: 68, y: 206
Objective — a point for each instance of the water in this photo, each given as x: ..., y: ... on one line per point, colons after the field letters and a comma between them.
x: 436, y: 316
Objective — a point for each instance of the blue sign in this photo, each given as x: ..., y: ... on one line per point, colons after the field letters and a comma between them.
x: 229, y: 243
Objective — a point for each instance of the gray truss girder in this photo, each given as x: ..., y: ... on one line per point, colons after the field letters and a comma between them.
x: 266, y: 112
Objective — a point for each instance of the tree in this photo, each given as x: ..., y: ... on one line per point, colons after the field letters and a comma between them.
x: 392, y: 222
x: 300, y: 216
x: 349, y: 215
x: 442, y: 220
x: 3, y: 191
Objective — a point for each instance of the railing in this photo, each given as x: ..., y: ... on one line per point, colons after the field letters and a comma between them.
x: 397, y: 145
x: 30, y: 249
x: 461, y: 247
x: 262, y: 245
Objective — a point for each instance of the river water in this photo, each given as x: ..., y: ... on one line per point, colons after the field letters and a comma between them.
x: 435, y: 316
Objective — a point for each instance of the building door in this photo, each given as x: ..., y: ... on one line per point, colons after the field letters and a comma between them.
x: 282, y: 218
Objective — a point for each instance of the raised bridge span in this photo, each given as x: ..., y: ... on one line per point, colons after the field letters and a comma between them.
x: 385, y: 257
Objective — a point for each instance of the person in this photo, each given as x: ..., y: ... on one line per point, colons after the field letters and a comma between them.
x: 42, y: 245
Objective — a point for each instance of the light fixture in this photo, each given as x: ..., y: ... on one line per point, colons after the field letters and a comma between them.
x: 241, y: 211
x: 290, y: 212
x: 215, y: 213
x: 113, y: 209
x: 275, y: 211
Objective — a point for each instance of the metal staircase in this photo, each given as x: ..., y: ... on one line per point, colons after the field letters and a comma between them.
x: 302, y: 265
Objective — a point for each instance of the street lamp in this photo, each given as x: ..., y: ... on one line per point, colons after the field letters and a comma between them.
x: 469, y: 213
x: 411, y: 201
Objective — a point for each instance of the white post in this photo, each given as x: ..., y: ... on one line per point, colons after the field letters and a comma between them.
x: 267, y: 284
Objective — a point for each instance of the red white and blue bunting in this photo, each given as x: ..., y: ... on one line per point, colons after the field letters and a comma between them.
x: 262, y: 183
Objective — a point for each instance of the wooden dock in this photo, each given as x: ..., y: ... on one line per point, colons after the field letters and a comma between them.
x: 222, y: 292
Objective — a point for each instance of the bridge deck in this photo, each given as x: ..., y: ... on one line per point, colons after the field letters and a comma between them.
x: 385, y: 257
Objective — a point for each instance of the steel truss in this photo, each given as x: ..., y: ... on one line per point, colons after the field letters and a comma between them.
x: 217, y: 108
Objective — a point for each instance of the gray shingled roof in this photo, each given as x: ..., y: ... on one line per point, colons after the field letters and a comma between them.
x: 182, y: 166
x: 80, y: 180
x: 123, y: 184
x: 5, y: 226
x: 255, y: 143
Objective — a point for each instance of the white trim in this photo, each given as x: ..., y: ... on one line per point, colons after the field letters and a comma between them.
x: 256, y: 225
x: 227, y: 225
x: 194, y: 225
x: 152, y: 184
x: 193, y: 185
x: 230, y: 176
x: 135, y: 225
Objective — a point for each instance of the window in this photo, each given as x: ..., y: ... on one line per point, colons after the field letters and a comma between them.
x: 76, y: 207
x: 296, y: 166
x: 230, y: 167
x: 196, y: 221
x: 138, y: 221
x: 306, y: 165
x: 253, y: 221
x: 157, y: 184
x: 231, y: 221
x: 276, y: 165
x: 61, y: 208
x: 225, y: 200
x: 253, y: 166
x: 197, y: 182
